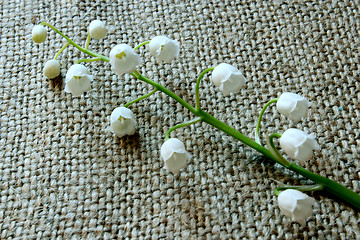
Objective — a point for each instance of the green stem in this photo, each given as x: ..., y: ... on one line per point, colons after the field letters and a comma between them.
x: 141, y: 98
x: 87, y: 51
x: 257, y: 137
x: 88, y: 60
x: 87, y: 43
x: 309, y: 188
x: 61, y: 50
x: 184, y: 124
x: 141, y: 44
x: 271, y: 146
x: 137, y: 75
x: 329, y: 185
x: 197, y: 95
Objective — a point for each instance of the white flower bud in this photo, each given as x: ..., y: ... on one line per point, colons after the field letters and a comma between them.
x: 122, y: 122
x: 51, y: 69
x: 164, y: 49
x: 296, y: 205
x: 97, y: 29
x: 228, y: 78
x: 293, y: 106
x: 298, y: 144
x: 39, y: 34
x: 124, y: 59
x: 174, y: 155
x: 78, y: 80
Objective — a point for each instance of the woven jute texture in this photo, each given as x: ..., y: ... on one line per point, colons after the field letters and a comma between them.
x: 63, y: 175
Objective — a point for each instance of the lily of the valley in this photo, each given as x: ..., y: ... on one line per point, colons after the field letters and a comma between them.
x: 293, y: 106
x: 39, y: 34
x: 298, y: 144
x: 122, y: 122
x: 97, y: 29
x: 163, y: 48
x: 174, y: 154
x: 296, y: 205
x: 52, y: 69
x: 124, y: 59
x: 228, y: 78
x: 78, y: 80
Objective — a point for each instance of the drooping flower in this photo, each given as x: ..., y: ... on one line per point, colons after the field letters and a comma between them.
x: 124, y: 59
x: 174, y: 154
x: 39, y: 34
x: 97, y: 29
x: 298, y: 144
x: 293, y: 106
x: 228, y: 78
x: 51, y: 69
x: 164, y: 49
x: 122, y: 122
x: 296, y: 205
x: 78, y: 80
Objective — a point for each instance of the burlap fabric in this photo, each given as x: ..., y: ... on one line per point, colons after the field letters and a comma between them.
x: 63, y: 175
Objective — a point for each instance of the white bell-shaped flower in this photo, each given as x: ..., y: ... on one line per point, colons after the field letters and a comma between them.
x: 78, y: 80
x: 296, y: 205
x: 228, y: 78
x: 97, y: 29
x: 124, y: 59
x: 122, y: 122
x: 293, y: 106
x: 174, y: 155
x: 164, y: 49
x: 298, y: 144
x: 39, y: 34
x: 52, y: 69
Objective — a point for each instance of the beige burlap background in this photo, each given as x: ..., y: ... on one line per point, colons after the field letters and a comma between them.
x: 63, y: 175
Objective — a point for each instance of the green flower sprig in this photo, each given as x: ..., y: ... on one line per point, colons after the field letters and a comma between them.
x: 295, y: 143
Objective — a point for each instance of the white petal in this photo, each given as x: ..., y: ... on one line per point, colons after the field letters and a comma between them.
x: 122, y: 122
x: 170, y: 146
x: 51, y: 69
x: 127, y: 63
x: 298, y: 144
x: 163, y: 48
x: 39, y: 34
x: 228, y: 78
x: 97, y: 29
x: 295, y: 204
x: 176, y: 162
x: 293, y: 106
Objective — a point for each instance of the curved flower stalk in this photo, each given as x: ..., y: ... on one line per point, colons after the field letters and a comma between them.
x: 271, y: 153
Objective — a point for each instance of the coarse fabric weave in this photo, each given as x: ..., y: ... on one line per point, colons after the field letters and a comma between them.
x: 64, y: 175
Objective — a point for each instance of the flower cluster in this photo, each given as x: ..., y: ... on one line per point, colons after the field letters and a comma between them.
x: 123, y: 58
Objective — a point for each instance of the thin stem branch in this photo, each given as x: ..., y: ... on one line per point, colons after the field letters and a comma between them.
x: 271, y: 146
x: 257, y: 137
x: 61, y: 50
x: 88, y: 60
x: 309, y: 188
x: 141, y: 44
x: 87, y: 51
x: 184, y: 124
x: 141, y: 98
x: 87, y: 43
x: 197, y: 87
